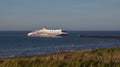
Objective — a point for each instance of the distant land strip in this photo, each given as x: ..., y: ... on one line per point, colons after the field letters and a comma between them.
x: 98, y: 36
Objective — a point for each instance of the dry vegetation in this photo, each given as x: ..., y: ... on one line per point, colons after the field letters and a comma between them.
x: 104, y: 57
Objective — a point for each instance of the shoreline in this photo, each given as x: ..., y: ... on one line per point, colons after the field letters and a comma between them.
x: 37, y: 54
x: 58, y: 51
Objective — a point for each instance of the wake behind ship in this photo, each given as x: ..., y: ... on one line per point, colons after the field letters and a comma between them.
x: 47, y: 33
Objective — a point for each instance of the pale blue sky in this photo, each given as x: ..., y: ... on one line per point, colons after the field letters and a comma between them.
x: 55, y: 14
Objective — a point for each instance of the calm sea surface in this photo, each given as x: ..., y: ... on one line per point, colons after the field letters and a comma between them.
x: 17, y: 43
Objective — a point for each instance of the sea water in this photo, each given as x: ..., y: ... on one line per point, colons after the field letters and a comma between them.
x: 17, y: 43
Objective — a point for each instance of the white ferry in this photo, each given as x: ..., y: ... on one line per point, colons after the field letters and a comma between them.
x: 47, y: 33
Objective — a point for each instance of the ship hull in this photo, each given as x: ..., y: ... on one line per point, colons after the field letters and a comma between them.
x: 48, y: 35
x: 62, y: 35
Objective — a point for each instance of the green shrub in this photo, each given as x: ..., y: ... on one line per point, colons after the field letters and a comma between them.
x: 104, y: 57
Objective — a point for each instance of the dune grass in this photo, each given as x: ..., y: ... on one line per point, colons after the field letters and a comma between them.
x: 104, y: 57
